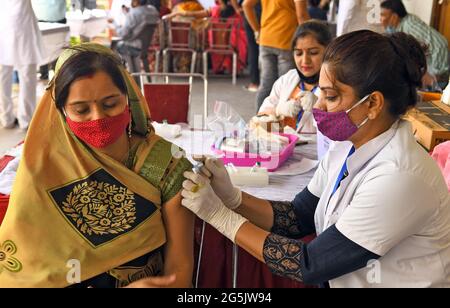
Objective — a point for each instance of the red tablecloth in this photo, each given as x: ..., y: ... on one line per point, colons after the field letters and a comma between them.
x: 216, y: 265
x: 4, y: 200
x: 5, y: 161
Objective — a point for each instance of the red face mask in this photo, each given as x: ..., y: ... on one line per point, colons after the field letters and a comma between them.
x: 103, y: 132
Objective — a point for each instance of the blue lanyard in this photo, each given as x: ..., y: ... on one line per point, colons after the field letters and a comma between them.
x: 299, y: 118
x: 300, y: 115
x: 343, y: 174
x: 303, y: 88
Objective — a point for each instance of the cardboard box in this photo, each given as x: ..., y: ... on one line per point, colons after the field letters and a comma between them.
x: 431, y: 123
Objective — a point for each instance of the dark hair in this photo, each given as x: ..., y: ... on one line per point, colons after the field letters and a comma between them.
x: 82, y: 64
x: 317, y: 29
x: 314, y: 3
x: 391, y: 64
x: 228, y: 11
x: 395, y: 6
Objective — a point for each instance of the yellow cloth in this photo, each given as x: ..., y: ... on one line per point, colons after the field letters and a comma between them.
x: 278, y: 23
x: 72, y: 203
x: 190, y: 6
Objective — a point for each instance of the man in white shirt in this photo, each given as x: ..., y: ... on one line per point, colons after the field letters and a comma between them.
x: 20, y: 48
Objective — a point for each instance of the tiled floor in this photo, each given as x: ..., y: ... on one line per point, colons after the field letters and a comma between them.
x: 220, y: 89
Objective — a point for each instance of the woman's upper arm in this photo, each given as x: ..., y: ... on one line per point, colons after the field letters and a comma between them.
x: 179, y: 254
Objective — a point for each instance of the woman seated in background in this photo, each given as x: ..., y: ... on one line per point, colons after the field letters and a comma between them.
x: 223, y: 11
x: 186, y: 6
x: 181, y: 60
x: 294, y: 94
x: 96, y: 201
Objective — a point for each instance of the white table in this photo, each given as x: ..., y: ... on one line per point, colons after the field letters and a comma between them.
x: 87, y: 25
x: 281, y: 188
x: 55, y: 37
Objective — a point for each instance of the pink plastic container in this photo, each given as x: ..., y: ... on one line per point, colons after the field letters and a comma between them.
x: 272, y: 162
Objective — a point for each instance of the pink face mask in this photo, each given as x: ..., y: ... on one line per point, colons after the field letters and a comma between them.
x: 101, y: 133
x: 337, y: 125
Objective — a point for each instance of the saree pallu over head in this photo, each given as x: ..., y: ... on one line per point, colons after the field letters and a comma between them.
x: 74, y: 211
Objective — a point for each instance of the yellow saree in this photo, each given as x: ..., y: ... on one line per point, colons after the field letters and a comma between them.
x: 76, y: 213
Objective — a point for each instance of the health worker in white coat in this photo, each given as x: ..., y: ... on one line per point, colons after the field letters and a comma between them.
x: 20, y: 49
x: 294, y: 94
x: 377, y: 202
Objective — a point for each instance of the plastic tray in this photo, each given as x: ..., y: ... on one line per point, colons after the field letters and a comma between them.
x: 272, y: 162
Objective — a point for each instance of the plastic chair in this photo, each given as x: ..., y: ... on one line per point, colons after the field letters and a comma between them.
x: 220, y: 34
x: 170, y: 101
x: 180, y: 39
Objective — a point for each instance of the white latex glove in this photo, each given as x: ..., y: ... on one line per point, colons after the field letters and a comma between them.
x: 199, y: 197
x: 289, y: 108
x: 220, y: 180
x: 307, y: 101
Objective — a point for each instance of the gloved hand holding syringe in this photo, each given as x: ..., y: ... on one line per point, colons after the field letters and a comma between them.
x: 214, y: 169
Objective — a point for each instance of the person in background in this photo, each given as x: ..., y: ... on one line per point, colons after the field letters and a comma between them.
x: 155, y: 3
x: 253, y: 48
x: 181, y: 61
x: 49, y: 11
x: 21, y: 49
x: 223, y: 11
x: 294, y: 94
x: 186, y: 6
x: 356, y: 15
x: 377, y: 202
x: 119, y: 10
x: 395, y: 18
x: 97, y: 197
x: 139, y: 16
x: 274, y: 34
x: 316, y: 11
x: 441, y: 154
x: 83, y: 4
x: 164, y: 9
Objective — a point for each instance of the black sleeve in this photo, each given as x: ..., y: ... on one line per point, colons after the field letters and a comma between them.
x: 295, y: 219
x: 329, y: 256
x: 305, y: 205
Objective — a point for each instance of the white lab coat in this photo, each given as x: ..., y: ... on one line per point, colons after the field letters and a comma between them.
x: 354, y: 15
x: 281, y: 92
x: 20, y: 39
x: 394, y: 203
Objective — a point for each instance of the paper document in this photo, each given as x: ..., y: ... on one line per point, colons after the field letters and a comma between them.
x: 296, y: 167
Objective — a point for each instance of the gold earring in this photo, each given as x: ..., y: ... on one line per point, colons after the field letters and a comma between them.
x: 129, y: 127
